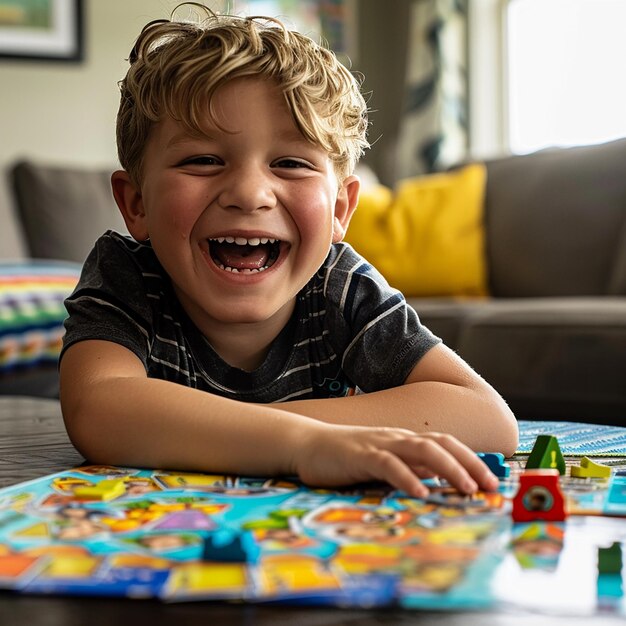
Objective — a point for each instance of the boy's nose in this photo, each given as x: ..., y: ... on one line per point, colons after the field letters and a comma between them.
x: 247, y: 189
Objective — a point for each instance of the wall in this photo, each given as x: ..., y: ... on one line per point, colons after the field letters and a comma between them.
x: 65, y: 113
x: 382, y: 52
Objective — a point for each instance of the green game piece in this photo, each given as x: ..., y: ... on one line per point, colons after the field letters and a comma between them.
x: 610, y: 559
x: 546, y: 454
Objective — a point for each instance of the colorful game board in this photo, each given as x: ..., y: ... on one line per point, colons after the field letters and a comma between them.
x: 125, y: 532
x: 191, y: 536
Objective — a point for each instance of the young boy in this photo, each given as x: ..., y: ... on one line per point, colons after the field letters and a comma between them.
x: 234, y: 333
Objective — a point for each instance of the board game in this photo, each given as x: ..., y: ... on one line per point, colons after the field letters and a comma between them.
x: 174, y: 536
x: 180, y: 536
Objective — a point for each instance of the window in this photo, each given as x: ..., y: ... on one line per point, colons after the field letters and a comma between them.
x: 565, y: 72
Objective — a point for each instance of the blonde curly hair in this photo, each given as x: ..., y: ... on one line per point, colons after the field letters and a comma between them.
x: 176, y: 68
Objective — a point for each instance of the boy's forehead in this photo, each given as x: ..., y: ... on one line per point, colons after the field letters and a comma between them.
x: 211, y: 118
x: 203, y: 112
x: 175, y: 132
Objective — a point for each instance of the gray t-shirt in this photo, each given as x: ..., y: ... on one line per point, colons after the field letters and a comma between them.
x: 349, y: 330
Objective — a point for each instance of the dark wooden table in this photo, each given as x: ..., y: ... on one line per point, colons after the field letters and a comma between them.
x: 33, y: 443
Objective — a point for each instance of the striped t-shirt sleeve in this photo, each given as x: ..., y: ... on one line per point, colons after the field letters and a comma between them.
x: 109, y: 302
x: 385, y: 338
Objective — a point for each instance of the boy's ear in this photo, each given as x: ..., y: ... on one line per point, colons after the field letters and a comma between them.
x: 130, y: 203
x: 347, y: 199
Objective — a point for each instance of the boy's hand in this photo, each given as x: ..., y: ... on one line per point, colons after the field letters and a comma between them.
x: 332, y: 456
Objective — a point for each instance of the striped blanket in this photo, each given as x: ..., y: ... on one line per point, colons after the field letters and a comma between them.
x: 32, y: 311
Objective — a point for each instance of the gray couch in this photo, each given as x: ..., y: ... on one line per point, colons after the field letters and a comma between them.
x: 551, y: 337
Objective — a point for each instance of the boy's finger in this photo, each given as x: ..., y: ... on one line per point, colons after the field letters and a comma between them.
x: 423, y: 472
x: 388, y: 467
x: 440, y: 461
x: 476, y: 468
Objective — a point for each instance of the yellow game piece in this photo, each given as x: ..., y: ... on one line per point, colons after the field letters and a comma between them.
x: 104, y: 490
x: 589, y: 469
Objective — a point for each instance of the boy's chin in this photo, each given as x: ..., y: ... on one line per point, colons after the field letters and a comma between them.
x: 256, y: 315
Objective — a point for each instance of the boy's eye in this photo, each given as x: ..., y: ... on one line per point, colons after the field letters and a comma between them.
x: 205, y: 159
x: 290, y: 163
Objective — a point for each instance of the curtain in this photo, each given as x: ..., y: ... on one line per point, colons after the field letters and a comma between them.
x: 433, y: 129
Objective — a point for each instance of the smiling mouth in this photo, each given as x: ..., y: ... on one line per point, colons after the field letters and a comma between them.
x: 245, y: 255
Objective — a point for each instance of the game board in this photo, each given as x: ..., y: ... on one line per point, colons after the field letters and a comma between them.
x: 175, y: 536
x: 184, y: 536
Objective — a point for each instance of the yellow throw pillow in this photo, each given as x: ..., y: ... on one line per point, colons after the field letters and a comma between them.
x: 429, y: 238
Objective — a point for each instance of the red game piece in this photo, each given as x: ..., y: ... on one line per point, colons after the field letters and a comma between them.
x: 539, y: 497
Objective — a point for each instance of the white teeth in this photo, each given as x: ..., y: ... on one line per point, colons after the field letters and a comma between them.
x: 234, y: 270
x: 242, y: 241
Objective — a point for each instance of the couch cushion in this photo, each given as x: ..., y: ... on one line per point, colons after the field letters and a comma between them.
x: 552, y: 358
x: 64, y: 210
x: 556, y: 221
x: 427, y: 239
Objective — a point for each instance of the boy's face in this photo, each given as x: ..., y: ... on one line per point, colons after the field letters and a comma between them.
x: 253, y: 180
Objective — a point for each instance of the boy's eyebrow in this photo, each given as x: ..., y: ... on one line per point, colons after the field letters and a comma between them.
x: 186, y: 137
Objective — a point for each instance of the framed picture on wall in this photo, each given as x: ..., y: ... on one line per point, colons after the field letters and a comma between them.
x: 43, y: 30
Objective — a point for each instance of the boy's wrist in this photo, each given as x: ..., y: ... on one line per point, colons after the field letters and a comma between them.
x: 298, y: 441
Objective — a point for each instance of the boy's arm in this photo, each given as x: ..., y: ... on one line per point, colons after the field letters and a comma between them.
x: 115, y: 414
x: 442, y: 394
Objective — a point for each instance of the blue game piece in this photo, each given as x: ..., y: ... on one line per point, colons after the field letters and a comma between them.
x: 227, y: 546
x: 495, y: 462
